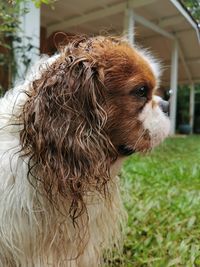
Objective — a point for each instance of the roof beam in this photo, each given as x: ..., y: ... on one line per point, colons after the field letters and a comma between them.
x: 193, y: 60
x: 99, y: 14
x: 187, y: 70
x: 170, y: 21
x: 166, y: 83
x: 68, y: 23
x: 108, y: 12
x: 138, y: 3
x: 184, y: 13
x: 152, y: 26
x: 177, y: 33
x: 195, y: 81
x: 187, y: 16
x: 187, y: 60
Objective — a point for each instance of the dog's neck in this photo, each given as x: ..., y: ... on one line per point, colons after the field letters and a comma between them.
x: 116, y: 167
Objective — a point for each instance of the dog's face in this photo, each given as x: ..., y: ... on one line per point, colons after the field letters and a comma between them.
x: 136, y: 121
x: 92, y: 104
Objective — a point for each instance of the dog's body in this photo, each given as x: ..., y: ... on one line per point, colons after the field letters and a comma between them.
x: 63, y: 136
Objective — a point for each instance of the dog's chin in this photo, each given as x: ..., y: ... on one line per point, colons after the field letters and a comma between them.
x: 156, y: 123
x: 156, y: 127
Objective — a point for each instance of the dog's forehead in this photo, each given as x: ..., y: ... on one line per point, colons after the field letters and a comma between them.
x: 126, y: 64
x: 129, y: 64
x: 131, y: 56
x: 143, y: 69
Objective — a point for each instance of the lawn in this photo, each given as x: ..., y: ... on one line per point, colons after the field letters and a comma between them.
x: 162, y: 196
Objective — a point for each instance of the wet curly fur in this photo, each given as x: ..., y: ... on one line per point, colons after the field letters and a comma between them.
x: 64, y: 130
x: 64, y: 133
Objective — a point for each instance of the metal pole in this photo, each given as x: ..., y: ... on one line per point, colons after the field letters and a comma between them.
x: 129, y: 24
x: 192, y: 106
x: 174, y: 86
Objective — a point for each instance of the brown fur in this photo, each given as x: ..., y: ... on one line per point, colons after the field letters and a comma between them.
x: 77, y: 114
x: 71, y: 127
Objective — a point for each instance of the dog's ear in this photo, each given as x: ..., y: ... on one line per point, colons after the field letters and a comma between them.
x: 64, y: 130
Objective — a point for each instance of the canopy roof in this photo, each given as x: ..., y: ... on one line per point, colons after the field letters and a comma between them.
x: 157, y: 25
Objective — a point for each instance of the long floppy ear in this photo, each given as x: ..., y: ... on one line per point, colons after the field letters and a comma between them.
x: 63, y: 134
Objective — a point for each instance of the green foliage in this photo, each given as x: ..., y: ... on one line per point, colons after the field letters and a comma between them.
x: 10, y: 13
x: 162, y: 196
x: 183, y: 101
x: 46, y: 2
x: 193, y: 7
x: 37, y: 3
x: 9, y: 18
x: 197, y: 109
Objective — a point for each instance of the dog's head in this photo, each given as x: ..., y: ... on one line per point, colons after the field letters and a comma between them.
x: 93, y: 104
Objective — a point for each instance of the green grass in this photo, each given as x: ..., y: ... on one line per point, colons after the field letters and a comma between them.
x: 162, y: 196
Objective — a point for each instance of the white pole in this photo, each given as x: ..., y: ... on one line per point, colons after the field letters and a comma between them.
x: 192, y: 105
x: 129, y: 24
x: 27, y: 51
x: 174, y: 86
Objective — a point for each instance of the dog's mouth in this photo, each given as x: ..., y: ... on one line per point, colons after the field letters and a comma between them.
x: 125, y: 150
x: 143, y: 144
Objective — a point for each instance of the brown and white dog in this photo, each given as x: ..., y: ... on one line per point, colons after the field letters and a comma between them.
x: 63, y: 135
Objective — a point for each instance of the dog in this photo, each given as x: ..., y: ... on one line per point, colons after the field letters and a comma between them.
x: 64, y: 134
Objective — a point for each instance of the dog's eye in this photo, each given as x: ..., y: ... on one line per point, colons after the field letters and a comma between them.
x: 142, y: 91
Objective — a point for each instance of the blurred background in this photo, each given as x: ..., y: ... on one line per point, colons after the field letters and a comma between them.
x: 168, y: 28
x: 161, y: 191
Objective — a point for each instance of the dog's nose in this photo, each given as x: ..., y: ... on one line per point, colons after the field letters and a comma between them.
x: 164, y: 105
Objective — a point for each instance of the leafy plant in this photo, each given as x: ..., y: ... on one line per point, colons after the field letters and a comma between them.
x: 39, y: 2
x: 10, y: 41
x: 194, y: 8
x: 183, y: 105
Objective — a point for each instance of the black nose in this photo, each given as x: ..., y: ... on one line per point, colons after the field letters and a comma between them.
x: 164, y: 105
